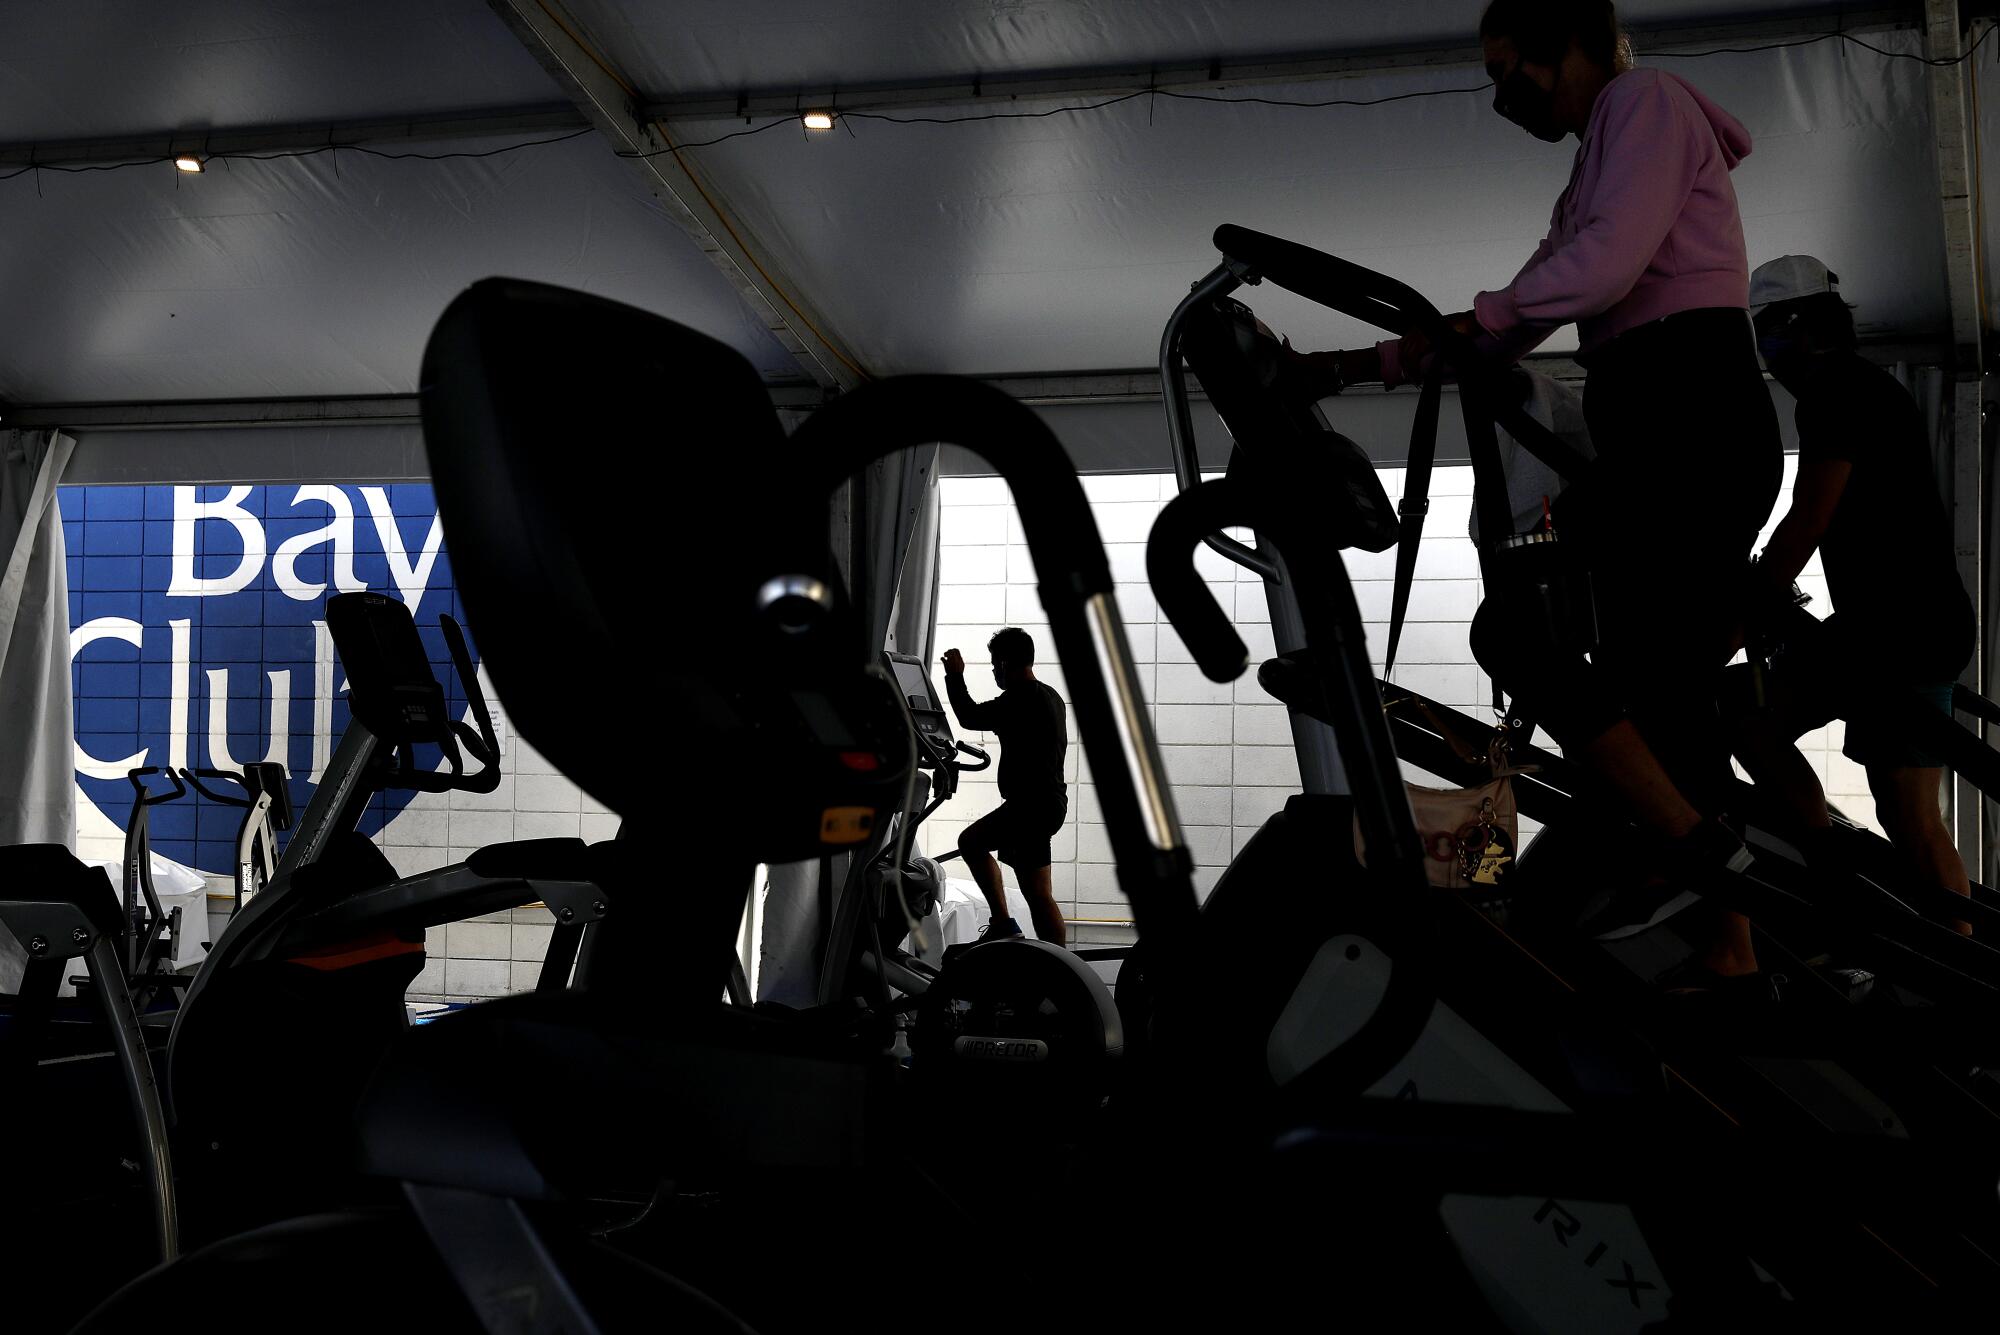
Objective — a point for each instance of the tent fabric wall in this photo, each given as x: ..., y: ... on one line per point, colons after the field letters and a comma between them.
x: 37, y: 744
x: 915, y: 614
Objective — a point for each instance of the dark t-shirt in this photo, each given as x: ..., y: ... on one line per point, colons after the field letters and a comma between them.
x: 1888, y: 550
x: 1028, y: 719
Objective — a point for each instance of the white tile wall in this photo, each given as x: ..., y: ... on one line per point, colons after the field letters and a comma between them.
x: 1228, y: 746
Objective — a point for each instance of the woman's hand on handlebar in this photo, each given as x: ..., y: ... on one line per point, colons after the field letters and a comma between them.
x: 1319, y: 374
x: 1414, y: 349
x: 1733, y: 639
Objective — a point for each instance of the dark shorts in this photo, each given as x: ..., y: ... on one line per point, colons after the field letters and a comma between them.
x: 1018, y: 832
x: 1841, y: 672
x: 1812, y: 702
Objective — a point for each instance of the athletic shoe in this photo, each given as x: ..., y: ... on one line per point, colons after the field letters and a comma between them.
x: 1001, y: 929
x: 1692, y: 860
x: 1639, y: 909
x: 1712, y: 846
x: 1694, y: 981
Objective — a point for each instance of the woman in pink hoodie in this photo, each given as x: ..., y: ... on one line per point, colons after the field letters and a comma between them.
x: 1645, y: 255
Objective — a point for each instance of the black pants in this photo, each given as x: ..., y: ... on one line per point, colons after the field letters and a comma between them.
x: 1688, y: 466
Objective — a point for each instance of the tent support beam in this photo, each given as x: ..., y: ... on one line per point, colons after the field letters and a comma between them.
x: 606, y: 99
x: 1944, y: 31
x: 1217, y: 75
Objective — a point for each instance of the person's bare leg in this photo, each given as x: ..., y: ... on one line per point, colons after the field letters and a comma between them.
x: 1780, y: 771
x: 985, y: 874
x: 1621, y: 757
x: 1731, y: 951
x: 1039, y: 888
x: 1906, y: 802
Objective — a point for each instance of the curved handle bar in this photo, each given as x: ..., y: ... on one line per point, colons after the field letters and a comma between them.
x: 486, y: 748
x: 134, y: 775
x: 1219, y: 283
x: 1368, y: 296
x: 1074, y: 578
x: 908, y: 411
x: 1398, y: 308
x: 213, y: 796
x: 1333, y: 623
x: 1183, y: 594
x: 1333, y: 627
x: 979, y: 753
x: 481, y: 744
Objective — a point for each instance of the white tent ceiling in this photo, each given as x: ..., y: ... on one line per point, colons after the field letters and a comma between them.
x: 1062, y: 244
x: 709, y: 45
x: 71, y: 70
x: 313, y: 277
x: 1004, y: 247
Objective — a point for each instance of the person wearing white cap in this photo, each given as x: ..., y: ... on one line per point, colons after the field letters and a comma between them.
x: 1865, y: 499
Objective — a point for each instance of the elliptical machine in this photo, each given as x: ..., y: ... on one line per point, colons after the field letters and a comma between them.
x: 267, y: 808
x: 1016, y: 1028
x: 152, y: 936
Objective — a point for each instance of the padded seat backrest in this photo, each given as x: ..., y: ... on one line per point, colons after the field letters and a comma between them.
x: 599, y: 472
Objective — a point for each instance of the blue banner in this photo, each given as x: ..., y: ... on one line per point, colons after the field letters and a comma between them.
x: 198, y: 635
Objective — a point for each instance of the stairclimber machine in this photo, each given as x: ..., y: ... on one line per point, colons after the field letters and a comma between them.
x: 1830, y: 1157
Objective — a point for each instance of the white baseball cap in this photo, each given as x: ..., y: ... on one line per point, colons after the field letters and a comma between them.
x: 1788, y: 278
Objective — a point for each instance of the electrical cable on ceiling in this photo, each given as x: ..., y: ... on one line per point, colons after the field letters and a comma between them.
x: 1845, y: 37
x: 1935, y: 62
x: 298, y: 153
x: 1304, y: 103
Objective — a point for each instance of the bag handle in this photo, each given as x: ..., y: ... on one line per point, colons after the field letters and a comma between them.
x: 1489, y: 491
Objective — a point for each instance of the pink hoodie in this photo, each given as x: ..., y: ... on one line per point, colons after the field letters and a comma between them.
x: 1647, y: 226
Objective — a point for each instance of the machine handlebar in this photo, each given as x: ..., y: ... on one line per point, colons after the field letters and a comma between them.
x: 135, y: 775
x: 213, y: 796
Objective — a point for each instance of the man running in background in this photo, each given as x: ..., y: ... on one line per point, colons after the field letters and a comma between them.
x: 1027, y: 717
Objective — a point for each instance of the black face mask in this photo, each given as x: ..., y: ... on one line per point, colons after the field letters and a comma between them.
x: 1529, y: 105
x: 1779, y: 341
x: 1775, y: 348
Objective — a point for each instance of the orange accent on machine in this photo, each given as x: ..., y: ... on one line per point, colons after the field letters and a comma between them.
x: 846, y: 825
x: 360, y: 950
